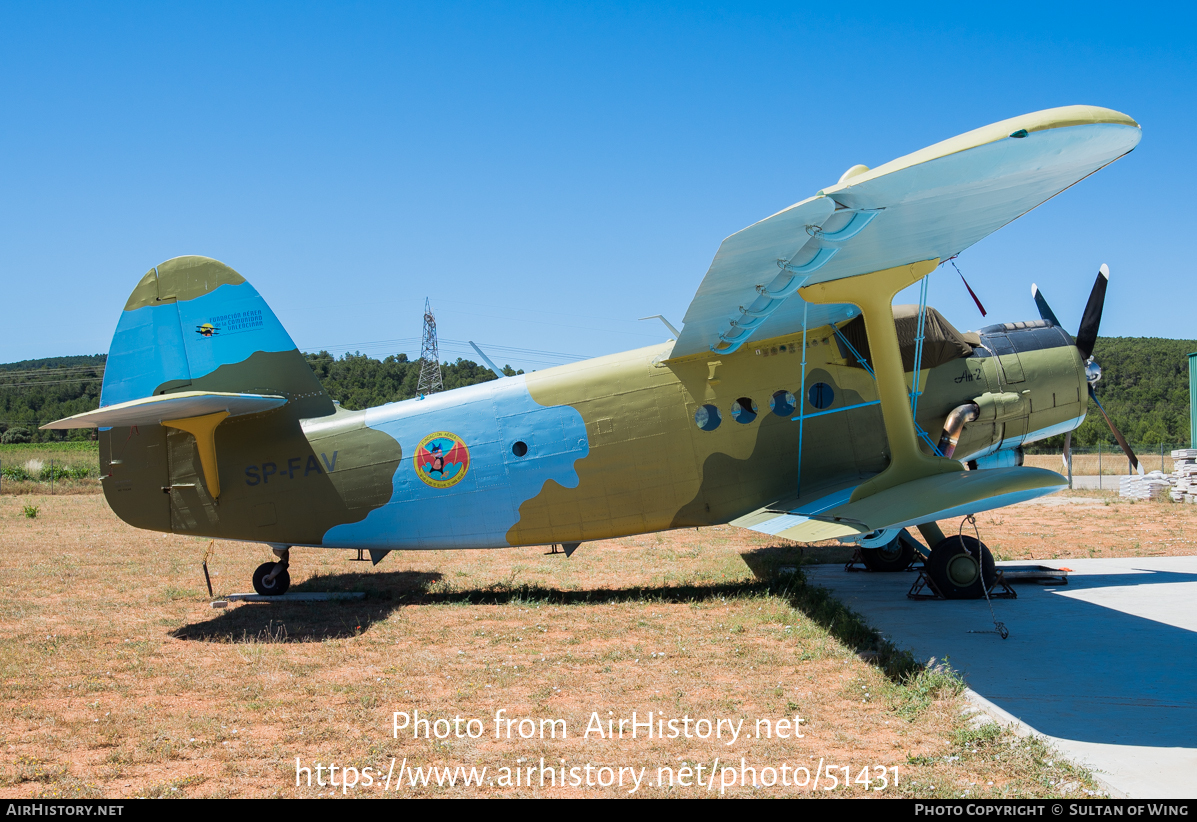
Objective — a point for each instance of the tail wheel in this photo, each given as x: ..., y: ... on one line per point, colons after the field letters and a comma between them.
x: 895, y: 556
x: 271, y: 587
x: 957, y: 572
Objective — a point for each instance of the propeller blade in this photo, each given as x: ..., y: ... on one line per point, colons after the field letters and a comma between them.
x: 1067, y: 456
x: 1086, y: 335
x: 1045, y: 310
x: 1130, y: 455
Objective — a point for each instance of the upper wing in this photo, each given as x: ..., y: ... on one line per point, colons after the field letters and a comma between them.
x: 933, y: 203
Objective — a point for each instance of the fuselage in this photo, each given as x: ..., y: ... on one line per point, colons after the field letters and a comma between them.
x: 618, y: 445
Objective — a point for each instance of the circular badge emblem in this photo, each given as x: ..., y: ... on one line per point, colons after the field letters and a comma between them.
x: 442, y: 459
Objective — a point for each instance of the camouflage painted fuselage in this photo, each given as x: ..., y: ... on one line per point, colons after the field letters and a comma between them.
x: 603, y: 448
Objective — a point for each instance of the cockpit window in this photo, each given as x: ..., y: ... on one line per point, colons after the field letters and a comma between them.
x: 1021, y: 340
x: 1033, y: 339
x: 942, y: 342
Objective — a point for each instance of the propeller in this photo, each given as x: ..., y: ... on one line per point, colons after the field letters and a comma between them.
x: 1085, y: 340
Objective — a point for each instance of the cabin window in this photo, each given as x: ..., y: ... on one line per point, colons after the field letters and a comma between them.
x: 782, y: 403
x: 707, y: 417
x: 820, y: 395
x: 520, y: 448
x: 743, y: 410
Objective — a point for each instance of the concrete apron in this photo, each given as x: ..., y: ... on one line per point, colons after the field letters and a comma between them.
x: 1104, y: 668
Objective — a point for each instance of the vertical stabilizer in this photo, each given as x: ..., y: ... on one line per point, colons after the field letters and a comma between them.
x: 192, y: 327
x: 192, y: 324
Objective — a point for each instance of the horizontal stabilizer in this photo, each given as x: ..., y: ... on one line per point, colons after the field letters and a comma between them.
x: 927, y: 499
x: 153, y: 410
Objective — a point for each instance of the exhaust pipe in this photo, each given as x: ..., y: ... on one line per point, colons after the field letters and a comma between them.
x: 954, y: 424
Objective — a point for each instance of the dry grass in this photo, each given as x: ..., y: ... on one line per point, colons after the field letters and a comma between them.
x: 81, y: 457
x: 1108, y: 463
x: 118, y: 680
x: 1090, y: 524
x: 63, y: 487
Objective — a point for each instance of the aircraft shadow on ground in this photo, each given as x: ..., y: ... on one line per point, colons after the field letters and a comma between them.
x: 389, y: 591
x: 386, y: 592
x: 315, y: 621
x: 1100, y: 674
x: 1071, y: 668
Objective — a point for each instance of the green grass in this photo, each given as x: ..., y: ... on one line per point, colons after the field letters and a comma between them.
x: 70, y: 460
x: 44, y: 450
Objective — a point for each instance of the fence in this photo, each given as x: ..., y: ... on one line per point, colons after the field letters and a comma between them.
x: 1102, y: 460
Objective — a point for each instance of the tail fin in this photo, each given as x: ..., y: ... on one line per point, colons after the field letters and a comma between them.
x: 194, y: 324
x: 196, y: 346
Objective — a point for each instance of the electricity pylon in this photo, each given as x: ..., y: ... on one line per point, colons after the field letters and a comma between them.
x: 430, y: 358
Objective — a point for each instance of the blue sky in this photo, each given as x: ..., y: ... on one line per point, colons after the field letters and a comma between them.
x: 548, y: 173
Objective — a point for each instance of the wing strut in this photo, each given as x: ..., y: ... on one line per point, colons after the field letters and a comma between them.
x: 921, y: 335
x: 802, y: 398
x: 916, y: 390
x: 874, y: 294
x: 923, y: 435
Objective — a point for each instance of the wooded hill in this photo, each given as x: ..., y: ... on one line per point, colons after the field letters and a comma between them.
x: 359, y: 381
x: 33, y: 392
x: 1144, y: 388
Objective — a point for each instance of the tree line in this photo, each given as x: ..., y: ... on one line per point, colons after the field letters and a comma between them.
x: 359, y: 381
x: 33, y: 392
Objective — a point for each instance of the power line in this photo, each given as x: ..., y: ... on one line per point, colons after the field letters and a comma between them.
x: 448, y: 343
x: 49, y: 382
x: 34, y: 372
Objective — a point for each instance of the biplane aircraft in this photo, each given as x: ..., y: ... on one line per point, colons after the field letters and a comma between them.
x: 796, y: 401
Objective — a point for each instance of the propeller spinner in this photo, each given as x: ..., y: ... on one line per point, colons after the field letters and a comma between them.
x: 1085, y: 340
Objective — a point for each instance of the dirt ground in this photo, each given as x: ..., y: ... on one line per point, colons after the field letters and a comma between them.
x: 1089, y: 524
x: 118, y: 679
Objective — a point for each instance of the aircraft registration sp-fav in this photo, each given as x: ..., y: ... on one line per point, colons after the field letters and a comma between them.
x: 796, y: 401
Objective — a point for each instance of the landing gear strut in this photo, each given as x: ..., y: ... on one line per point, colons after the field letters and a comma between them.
x: 271, y: 579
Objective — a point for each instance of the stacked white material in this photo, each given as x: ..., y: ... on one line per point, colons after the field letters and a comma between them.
x: 1149, y: 486
x: 1180, y: 485
x: 1184, y: 475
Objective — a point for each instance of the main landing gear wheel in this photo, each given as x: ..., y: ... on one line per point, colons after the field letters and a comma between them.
x: 271, y: 579
x: 269, y: 586
x: 954, y: 568
x: 894, y: 556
